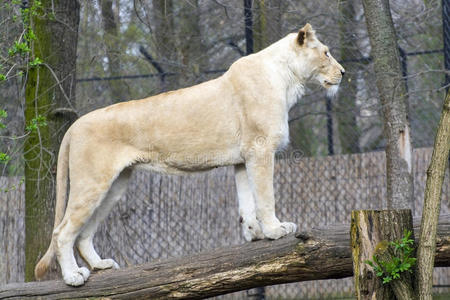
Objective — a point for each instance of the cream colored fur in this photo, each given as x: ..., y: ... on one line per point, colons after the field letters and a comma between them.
x: 240, y: 118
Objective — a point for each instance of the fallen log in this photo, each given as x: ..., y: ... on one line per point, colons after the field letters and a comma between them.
x: 318, y: 254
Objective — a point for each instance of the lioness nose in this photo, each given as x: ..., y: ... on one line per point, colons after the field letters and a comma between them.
x: 342, y: 72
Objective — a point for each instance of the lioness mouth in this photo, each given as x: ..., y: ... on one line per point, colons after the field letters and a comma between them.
x: 332, y: 88
x: 329, y: 84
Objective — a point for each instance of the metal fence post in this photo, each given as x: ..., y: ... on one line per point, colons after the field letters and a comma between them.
x: 329, y: 108
x: 404, y: 64
x: 248, y: 19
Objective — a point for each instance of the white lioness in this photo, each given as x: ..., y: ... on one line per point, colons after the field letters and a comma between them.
x: 240, y: 119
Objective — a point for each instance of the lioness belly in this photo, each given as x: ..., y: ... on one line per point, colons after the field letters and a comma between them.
x: 182, y: 163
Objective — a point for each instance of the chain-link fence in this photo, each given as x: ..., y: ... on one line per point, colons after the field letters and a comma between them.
x: 164, y: 45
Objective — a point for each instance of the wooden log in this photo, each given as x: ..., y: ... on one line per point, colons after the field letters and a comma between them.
x: 369, y: 229
x: 319, y: 254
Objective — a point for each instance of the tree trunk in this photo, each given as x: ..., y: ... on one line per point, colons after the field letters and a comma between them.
x: 248, y: 21
x: 346, y: 109
x: 164, y: 39
x: 432, y: 204
x: 320, y: 254
x: 368, y: 229
x: 260, y: 34
x: 392, y: 93
x: 49, y: 91
x: 192, y: 52
x: 119, y: 89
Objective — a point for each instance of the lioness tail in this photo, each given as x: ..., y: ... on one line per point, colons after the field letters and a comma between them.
x: 61, y: 192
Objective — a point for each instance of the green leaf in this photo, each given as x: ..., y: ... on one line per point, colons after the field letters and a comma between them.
x: 30, y: 35
x: 4, y: 158
x: 35, y: 123
x: 36, y: 62
x: 19, y: 48
x: 370, y: 263
x: 3, y: 114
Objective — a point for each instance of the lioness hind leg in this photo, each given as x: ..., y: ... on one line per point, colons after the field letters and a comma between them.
x: 85, y: 241
x: 250, y: 225
x: 80, y: 208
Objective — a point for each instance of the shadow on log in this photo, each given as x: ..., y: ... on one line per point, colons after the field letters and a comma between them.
x: 318, y: 254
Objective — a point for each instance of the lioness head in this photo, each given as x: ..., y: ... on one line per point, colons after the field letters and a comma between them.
x: 317, y: 60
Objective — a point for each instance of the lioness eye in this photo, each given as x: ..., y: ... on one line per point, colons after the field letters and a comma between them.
x: 327, y: 54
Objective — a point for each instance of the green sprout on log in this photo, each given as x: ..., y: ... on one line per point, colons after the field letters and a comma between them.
x: 400, y: 259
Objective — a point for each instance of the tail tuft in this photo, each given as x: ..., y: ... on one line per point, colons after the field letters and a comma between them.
x: 44, y: 264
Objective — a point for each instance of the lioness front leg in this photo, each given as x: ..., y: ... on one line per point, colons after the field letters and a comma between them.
x: 260, y: 172
x: 247, y: 211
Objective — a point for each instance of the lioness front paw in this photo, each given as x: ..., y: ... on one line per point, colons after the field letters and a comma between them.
x: 105, y: 264
x: 77, y: 277
x: 277, y: 232
x: 252, y: 230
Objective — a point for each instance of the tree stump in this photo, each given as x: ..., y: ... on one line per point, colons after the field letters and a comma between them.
x: 368, y: 229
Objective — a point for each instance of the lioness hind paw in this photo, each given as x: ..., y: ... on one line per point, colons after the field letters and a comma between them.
x: 289, y: 227
x: 77, y: 277
x: 106, y: 264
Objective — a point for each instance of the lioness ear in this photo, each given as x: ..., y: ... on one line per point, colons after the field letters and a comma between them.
x: 304, y: 34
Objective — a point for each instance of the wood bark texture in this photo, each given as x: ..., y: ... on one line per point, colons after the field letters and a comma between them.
x: 319, y: 254
x: 392, y: 92
x: 190, y: 44
x: 368, y: 229
x: 49, y: 91
x: 432, y: 204
x: 163, y: 39
x: 119, y: 89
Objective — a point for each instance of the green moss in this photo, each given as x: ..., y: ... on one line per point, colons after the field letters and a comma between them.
x: 39, y: 160
x: 355, y: 250
x: 300, y: 248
